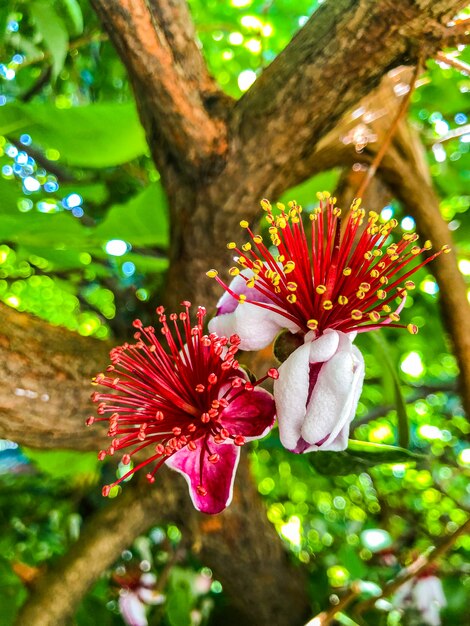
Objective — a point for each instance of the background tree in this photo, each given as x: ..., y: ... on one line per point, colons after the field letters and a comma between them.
x: 253, y: 101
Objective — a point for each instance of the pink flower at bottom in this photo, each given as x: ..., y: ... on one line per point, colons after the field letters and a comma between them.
x: 191, y: 406
x: 135, y: 596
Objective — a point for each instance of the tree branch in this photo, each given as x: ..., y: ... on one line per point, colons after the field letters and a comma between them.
x: 405, y: 171
x: 421, y: 563
x: 174, y: 91
x: 238, y: 541
x: 307, y: 89
x: 108, y: 532
x: 46, y: 373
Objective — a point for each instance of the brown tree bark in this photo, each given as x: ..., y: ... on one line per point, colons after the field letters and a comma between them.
x: 405, y: 172
x: 208, y: 148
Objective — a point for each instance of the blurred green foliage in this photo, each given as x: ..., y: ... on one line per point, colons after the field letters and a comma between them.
x: 84, y: 234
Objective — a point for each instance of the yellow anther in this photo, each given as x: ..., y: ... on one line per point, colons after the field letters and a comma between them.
x: 337, y: 212
x: 281, y: 222
x: 280, y: 258
x: 275, y: 240
x: 368, y: 255
x: 241, y: 261
x: 409, y: 284
x: 360, y: 295
x: 272, y: 230
x: 234, y: 271
x: 312, y: 217
x: 251, y: 282
x: 375, y: 273
x: 312, y: 324
x: 393, y: 223
x: 381, y: 294
x: 445, y: 249
x: 246, y: 246
x: 258, y: 239
x: 415, y: 250
x: 241, y: 298
x: 427, y: 245
x: 327, y: 305
x: 244, y: 224
x: 289, y: 267
x: 320, y: 289
x: 377, y: 253
x: 394, y: 317
x: 280, y: 206
x: 386, y: 308
x: 257, y: 265
x: 347, y: 271
x: 356, y: 314
x: 212, y: 273
x: 383, y: 280
x: 342, y: 300
x: 394, y: 257
x: 265, y: 205
x: 277, y: 290
x: 364, y: 287
x: 291, y: 298
x: 374, y: 316
x: 231, y: 245
x: 291, y: 286
x: 412, y: 328
x: 381, y: 265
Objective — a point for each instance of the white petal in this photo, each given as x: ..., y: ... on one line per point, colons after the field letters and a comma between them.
x: 149, y: 596
x: 132, y: 609
x: 256, y: 326
x: 290, y: 394
x: 334, y: 399
x: 324, y: 347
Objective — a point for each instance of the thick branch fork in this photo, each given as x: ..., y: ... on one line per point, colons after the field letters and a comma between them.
x: 156, y: 41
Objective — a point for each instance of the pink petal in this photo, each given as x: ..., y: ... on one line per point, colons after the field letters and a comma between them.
x: 228, y: 304
x: 251, y: 414
x: 257, y: 327
x: 132, y: 609
x: 217, y: 478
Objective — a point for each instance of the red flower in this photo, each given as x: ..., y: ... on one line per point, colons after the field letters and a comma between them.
x: 344, y: 277
x: 192, y: 406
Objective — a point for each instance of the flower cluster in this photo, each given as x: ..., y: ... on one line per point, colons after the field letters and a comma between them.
x: 191, y: 405
x: 326, y: 285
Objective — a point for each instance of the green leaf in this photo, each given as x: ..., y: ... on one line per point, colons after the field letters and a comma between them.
x: 93, y: 136
x: 73, y: 16
x: 179, y: 598
x: 305, y: 194
x: 400, y: 404
x: 64, y: 464
x: 12, y: 592
x: 359, y: 457
x: 53, y: 31
x: 143, y: 221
